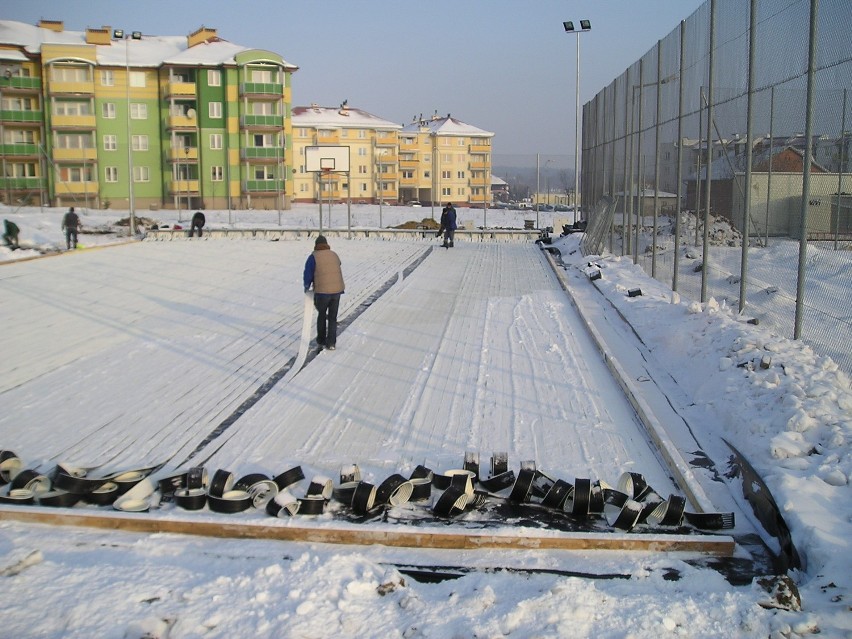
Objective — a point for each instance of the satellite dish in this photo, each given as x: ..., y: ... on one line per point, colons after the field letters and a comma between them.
x: 190, y: 113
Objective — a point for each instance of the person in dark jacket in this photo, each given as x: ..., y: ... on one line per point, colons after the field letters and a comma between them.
x: 10, y: 234
x: 448, y: 225
x: 71, y: 224
x: 323, y: 271
x: 198, y: 222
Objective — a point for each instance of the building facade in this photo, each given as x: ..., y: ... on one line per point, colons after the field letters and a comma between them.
x: 104, y: 118
x: 111, y: 119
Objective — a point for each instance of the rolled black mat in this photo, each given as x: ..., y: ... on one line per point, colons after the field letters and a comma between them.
x: 452, y: 502
x: 230, y: 502
x: 222, y: 482
x: 191, y: 498
x: 57, y: 498
x: 289, y: 477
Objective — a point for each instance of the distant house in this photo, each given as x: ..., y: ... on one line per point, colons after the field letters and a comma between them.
x: 499, y: 189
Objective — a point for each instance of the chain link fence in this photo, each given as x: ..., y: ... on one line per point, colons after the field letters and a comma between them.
x: 726, y: 149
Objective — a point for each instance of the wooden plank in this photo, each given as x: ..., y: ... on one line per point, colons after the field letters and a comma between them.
x: 702, y: 544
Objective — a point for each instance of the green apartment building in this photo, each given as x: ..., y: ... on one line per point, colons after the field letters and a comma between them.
x: 109, y: 118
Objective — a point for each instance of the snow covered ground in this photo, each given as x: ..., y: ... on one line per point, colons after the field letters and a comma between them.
x: 152, y: 352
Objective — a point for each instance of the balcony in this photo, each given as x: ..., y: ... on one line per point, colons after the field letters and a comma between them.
x: 21, y: 117
x: 263, y: 186
x: 82, y: 188
x: 390, y: 176
x: 73, y: 121
x: 332, y: 138
x: 481, y: 165
x: 409, y: 164
x: 182, y: 122
x: 21, y: 183
x: 18, y: 84
x: 408, y: 181
x: 261, y: 89
x: 408, y: 146
x: 387, y: 158
x: 262, y: 122
x: 180, y: 90
x: 480, y: 148
x: 74, y: 155
x: 18, y: 150
x: 179, y: 154
x: 182, y: 187
x: 267, y: 153
x: 71, y: 88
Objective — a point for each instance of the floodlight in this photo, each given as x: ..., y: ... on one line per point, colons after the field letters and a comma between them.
x: 118, y: 34
x: 136, y: 35
x: 585, y: 25
x: 569, y: 26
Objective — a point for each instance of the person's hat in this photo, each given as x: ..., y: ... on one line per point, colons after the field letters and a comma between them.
x: 320, y: 240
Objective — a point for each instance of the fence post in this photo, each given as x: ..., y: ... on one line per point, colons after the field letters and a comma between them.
x: 709, y: 164
x: 752, y: 39
x: 657, y: 160
x: 679, y: 205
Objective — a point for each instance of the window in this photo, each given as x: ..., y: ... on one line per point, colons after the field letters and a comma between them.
x: 216, y: 173
x: 445, y: 175
x: 427, y: 173
x: 69, y: 74
x: 362, y: 151
x: 263, y: 75
x: 447, y: 158
x: 263, y: 108
x: 16, y: 104
x: 214, y: 78
x: 264, y: 173
x: 18, y: 136
x: 74, y: 174
x: 73, y: 141
x: 141, y: 174
x: 110, y: 143
x: 71, y: 108
x: 215, y: 140
x: 111, y: 174
x: 109, y: 110
x: 214, y: 109
x: 263, y: 140
x: 461, y: 142
x: 362, y: 134
x: 140, y: 142
x: 408, y: 175
x: 137, y: 79
x: 138, y: 111
x: 303, y: 133
x: 21, y: 169
x: 460, y: 175
x: 446, y: 191
x: 107, y: 78
x: 363, y: 188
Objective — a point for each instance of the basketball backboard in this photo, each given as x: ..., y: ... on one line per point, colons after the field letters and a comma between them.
x: 327, y: 158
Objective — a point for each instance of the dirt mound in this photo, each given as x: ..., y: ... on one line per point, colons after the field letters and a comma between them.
x: 426, y: 223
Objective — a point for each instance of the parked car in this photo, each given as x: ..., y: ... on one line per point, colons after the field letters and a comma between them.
x: 414, y: 203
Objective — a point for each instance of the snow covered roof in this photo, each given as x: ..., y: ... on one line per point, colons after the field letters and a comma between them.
x: 445, y: 126
x: 149, y: 51
x: 340, y: 117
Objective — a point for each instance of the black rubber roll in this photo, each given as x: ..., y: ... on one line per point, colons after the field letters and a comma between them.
x: 103, y: 496
x: 289, y: 477
x: 127, y: 480
x: 596, y: 499
x: 230, y: 502
x: 196, y: 477
x: 31, y: 479
x: 350, y: 474
x: 364, y: 499
x: 75, y: 484
x: 421, y: 472
x: 452, y: 502
x: 222, y: 482
x: 462, y: 480
x: 558, y: 493
x: 499, y: 464
x: 344, y: 492
x: 131, y: 505
x: 395, y: 490
x: 471, y: 463
x: 421, y: 489
x: 18, y: 496
x: 441, y: 481
x: 579, y: 502
x: 541, y: 484
x: 633, y: 485
x: 614, y: 501
x: 311, y: 505
x: 668, y: 513
x: 247, y: 481
x: 282, y: 505
x: 523, y: 486
x: 711, y: 521
x: 168, y: 485
x: 320, y: 487
x: 57, y: 498
x: 479, y: 499
x: 628, y: 517
x: 496, y: 483
x: 10, y: 465
x: 191, y: 498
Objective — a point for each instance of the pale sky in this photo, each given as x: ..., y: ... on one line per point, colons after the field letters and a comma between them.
x: 505, y: 66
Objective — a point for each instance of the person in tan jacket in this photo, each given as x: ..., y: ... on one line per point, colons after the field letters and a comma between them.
x: 323, y: 271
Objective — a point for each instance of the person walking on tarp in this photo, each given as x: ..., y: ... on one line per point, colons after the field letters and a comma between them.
x: 323, y: 272
x: 198, y: 221
x: 10, y: 234
x: 448, y: 225
x: 71, y: 224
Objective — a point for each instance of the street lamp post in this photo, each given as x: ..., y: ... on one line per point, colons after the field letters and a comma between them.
x: 186, y: 177
x: 585, y: 25
x: 118, y: 34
